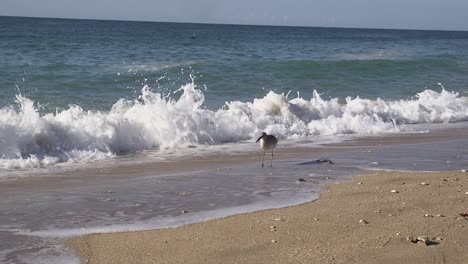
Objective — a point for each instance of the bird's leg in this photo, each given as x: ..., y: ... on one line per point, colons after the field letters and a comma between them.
x: 263, y: 159
x: 271, y: 158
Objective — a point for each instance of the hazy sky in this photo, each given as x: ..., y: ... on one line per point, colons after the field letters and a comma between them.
x: 408, y: 14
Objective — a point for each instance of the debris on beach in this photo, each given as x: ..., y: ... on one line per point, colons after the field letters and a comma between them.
x: 424, y: 183
x: 325, y: 161
x: 363, y: 222
x: 301, y: 180
x: 463, y: 170
x: 428, y: 215
x: 273, y: 241
x: 394, y: 191
x: 465, y: 214
x: 423, y: 239
x: 272, y: 228
x: 279, y: 219
x: 440, y: 215
x: 183, y: 211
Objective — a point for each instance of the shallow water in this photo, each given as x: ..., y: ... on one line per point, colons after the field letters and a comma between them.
x: 36, y: 218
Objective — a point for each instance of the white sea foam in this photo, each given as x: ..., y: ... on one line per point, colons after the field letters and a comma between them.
x: 29, y: 139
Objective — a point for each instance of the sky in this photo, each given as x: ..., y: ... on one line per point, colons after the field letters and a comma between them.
x: 399, y: 14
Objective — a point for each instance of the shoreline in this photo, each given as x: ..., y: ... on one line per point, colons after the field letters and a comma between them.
x: 328, y: 230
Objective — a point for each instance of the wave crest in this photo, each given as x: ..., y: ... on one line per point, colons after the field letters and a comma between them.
x: 29, y: 139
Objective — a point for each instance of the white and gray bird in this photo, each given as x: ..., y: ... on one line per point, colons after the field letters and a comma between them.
x: 267, y: 142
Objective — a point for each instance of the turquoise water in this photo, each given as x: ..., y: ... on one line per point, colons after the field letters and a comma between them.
x: 94, y: 63
x: 74, y: 90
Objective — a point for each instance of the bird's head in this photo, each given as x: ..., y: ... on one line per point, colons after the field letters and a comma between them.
x: 262, y: 136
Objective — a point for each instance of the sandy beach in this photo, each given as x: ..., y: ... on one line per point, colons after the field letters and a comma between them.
x: 368, y: 220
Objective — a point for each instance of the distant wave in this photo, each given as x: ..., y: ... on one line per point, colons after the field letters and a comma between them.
x: 354, y: 65
x: 29, y: 139
x: 156, y: 67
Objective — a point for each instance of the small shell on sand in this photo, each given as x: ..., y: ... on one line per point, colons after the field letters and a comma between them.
x: 423, y: 239
x: 424, y: 183
x: 428, y: 215
x: 394, y: 191
x: 363, y: 222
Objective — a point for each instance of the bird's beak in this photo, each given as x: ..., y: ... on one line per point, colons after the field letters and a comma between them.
x: 259, y: 139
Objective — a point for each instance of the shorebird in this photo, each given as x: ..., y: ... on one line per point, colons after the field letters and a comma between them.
x: 267, y: 142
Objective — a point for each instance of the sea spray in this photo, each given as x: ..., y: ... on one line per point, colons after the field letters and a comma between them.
x: 153, y: 121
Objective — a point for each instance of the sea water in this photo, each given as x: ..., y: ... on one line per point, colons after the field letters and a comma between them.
x: 81, y: 94
x: 75, y: 90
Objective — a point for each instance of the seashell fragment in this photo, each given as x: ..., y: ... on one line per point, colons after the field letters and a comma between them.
x: 423, y: 239
x: 363, y: 222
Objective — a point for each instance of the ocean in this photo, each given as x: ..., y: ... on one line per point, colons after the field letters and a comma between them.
x: 75, y: 88
x: 88, y: 97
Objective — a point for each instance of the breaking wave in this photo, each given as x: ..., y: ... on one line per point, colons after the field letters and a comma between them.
x: 29, y: 139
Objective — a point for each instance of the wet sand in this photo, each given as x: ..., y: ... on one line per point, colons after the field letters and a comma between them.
x: 329, y: 230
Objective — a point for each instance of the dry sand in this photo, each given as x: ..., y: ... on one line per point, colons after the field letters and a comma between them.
x: 324, y: 231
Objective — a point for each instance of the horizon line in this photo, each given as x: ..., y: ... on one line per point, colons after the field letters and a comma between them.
x: 232, y: 24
